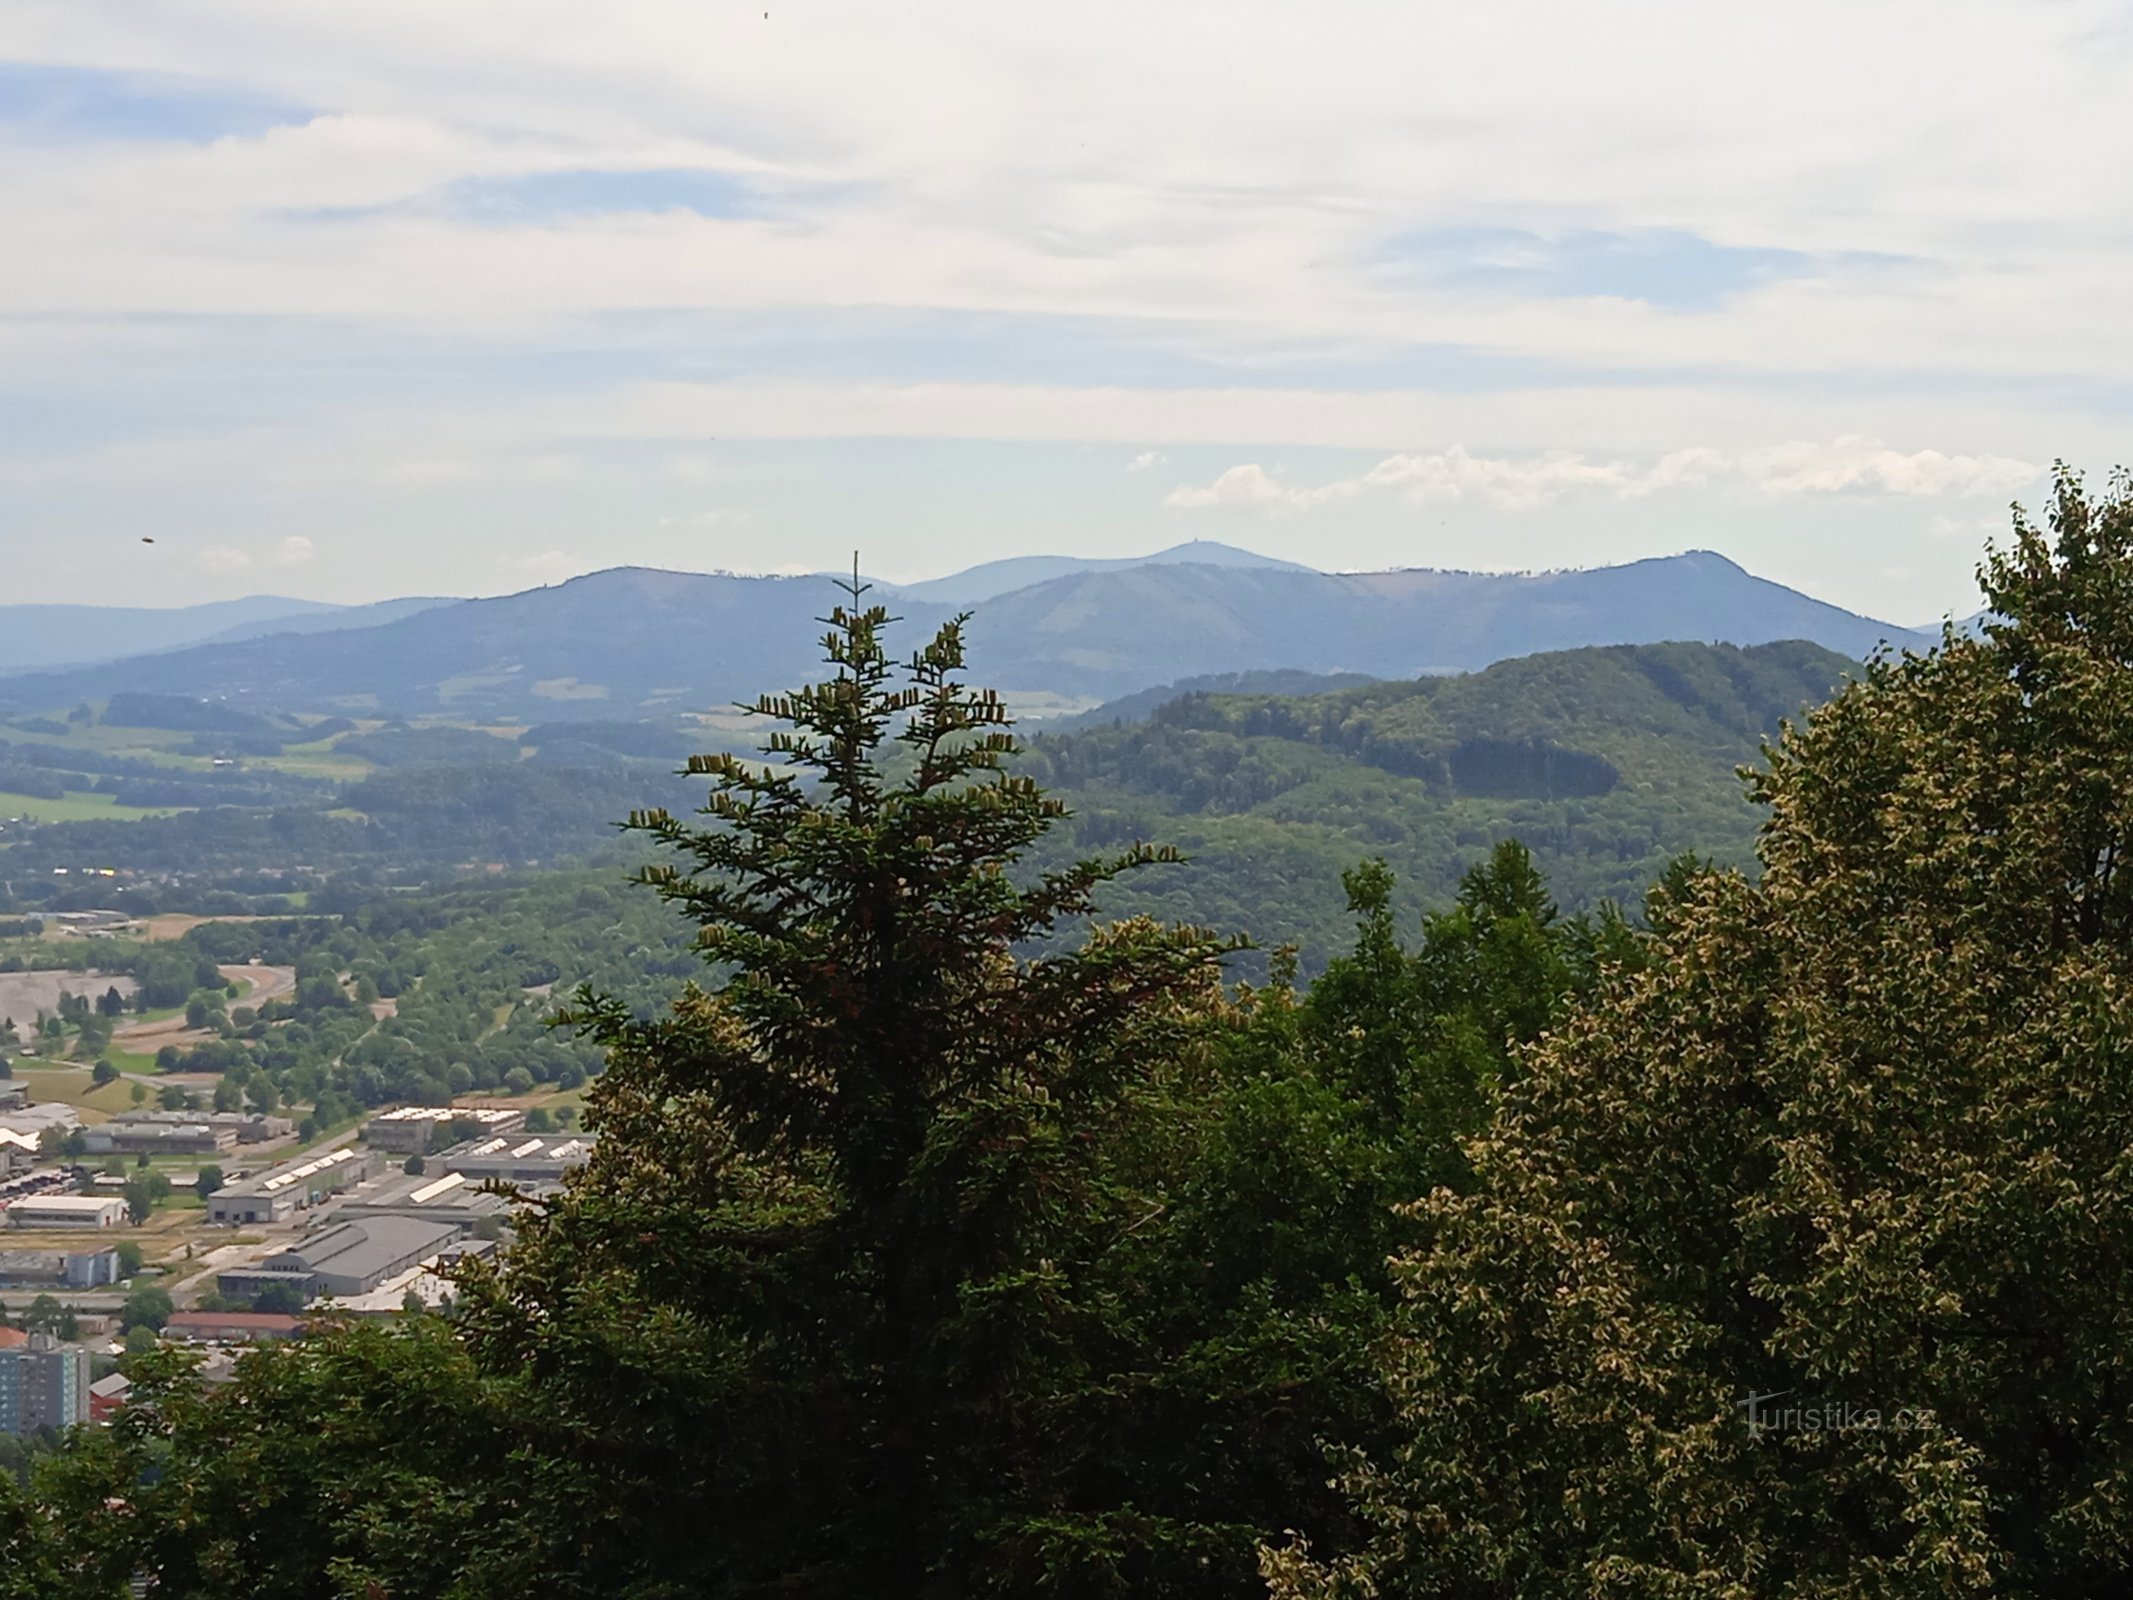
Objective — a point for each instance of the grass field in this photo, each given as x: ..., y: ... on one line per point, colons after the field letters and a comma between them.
x: 70, y: 1085
x: 78, y: 808
x: 316, y: 759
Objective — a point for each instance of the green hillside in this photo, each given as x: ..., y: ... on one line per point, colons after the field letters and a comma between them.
x: 1607, y: 762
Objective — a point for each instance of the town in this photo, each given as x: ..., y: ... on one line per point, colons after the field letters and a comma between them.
x: 369, y: 1222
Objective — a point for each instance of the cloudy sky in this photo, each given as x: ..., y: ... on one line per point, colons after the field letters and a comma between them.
x: 349, y: 300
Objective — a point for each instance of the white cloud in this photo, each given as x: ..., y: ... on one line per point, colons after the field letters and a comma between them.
x: 1861, y: 463
x: 1850, y: 465
x: 1218, y: 212
x: 222, y: 558
x: 293, y: 551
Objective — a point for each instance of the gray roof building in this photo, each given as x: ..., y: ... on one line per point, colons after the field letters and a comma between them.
x: 519, y: 1158
x: 351, y: 1259
x: 293, y: 1186
x: 447, y: 1197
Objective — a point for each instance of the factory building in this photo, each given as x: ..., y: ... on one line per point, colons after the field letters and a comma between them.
x: 453, y: 1197
x: 33, y: 1120
x: 351, y: 1259
x: 282, y: 1191
x: 247, y: 1127
x: 231, y: 1327
x: 18, y: 1151
x: 410, y: 1130
x: 52, y: 1269
x: 191, y: 1138
x: 43, y: 1384
x: 535, y: 1158
x: 66, y: 1211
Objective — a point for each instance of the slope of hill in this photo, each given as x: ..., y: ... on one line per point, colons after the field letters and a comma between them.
x: 332, y: 619
x: 34, y: 637
x: 612, y: 643
x: 1112, y: 633
x: 1607, y: 761
x: 47, y: 637
x: 991, y: 578
x: 1144, y: 703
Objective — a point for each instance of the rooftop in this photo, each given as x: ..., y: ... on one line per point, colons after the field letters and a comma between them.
x: 359, y: 1249
x: 80, y: 1205
x: 281, y: 1178
x: 488, y: 1116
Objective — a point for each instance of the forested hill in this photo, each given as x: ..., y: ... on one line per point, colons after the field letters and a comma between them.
x: 1607, y: 761
x: 631, y: 642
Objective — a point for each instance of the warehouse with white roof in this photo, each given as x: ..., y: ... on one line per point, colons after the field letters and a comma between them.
x: 531, y: 1158
x: 294, y: 1186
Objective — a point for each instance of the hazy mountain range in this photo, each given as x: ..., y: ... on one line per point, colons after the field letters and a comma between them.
x: 43, y: 637
x: 632, y: 638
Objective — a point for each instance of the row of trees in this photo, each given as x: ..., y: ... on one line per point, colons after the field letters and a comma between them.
x: 1775, y: 1246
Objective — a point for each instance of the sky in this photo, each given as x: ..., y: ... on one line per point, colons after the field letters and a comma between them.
x: 351, y: 301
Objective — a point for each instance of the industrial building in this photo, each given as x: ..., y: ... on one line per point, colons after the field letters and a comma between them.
x: 43, y: 1384
x: 231, y: 1327
x: 17, y: 1151
x: 452, y: 1197
x: 536, y: 1158
x: 351, y: 1259
x: 282, y: 1191
x: 66, y: 1211
x: 52, y: 1269
x: 13, y: 1096
x: 33, y: 1120
x: 247, y: 1127
x: 410, y: 1130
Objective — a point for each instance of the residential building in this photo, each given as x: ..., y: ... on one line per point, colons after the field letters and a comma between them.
x: 43, y: 1384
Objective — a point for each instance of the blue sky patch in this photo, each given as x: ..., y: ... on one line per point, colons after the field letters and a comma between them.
x: 77, y: 105
x: 1672, y: 270
x: 556, y: 196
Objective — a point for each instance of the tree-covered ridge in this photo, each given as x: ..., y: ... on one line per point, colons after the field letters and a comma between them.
x: 1606, y: 762
x: 1649, y: 713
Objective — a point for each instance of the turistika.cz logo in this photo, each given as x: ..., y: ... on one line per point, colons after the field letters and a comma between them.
x: 1826, y: 1416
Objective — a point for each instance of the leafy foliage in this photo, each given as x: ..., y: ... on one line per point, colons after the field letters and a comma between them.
x: 1796, y: 1264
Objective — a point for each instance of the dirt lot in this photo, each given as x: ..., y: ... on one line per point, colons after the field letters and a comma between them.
x: 24, y: 994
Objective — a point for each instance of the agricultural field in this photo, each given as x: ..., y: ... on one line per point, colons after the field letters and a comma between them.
x: 75, y: 807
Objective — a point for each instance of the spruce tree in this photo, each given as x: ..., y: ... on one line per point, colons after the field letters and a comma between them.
x: 837, y: 1239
